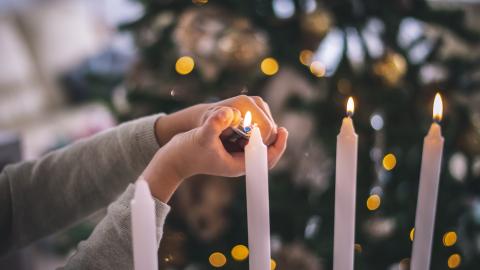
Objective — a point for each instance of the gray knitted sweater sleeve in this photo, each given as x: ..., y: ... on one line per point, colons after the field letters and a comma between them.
x: 43, y: 196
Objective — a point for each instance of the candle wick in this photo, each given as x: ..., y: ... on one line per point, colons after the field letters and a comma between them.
x: 436, y: 120
x: 349, y: 114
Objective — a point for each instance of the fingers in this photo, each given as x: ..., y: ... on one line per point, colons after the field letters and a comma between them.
x: 276, y: 150
x: 219, y: 120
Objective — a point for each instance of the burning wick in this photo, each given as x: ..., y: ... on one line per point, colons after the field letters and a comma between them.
x: 243, y: 130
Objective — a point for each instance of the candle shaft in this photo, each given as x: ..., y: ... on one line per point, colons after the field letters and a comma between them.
x: 345, y: 194
x: 427, y: 198
x: 143, y: 228
x: 256, y: 166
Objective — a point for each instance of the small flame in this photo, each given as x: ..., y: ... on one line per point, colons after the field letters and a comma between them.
x: 247, y: 121
x: 350, y: 106
x: 438, y: 108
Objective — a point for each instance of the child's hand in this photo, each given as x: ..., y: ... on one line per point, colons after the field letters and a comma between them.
x: 192, y: 117
x: 200, y: 151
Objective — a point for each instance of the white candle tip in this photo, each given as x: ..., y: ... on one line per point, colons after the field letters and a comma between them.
x: 142, y: 190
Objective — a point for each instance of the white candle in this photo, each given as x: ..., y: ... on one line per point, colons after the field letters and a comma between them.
x: 427, y: 191
x: 256, y: 166
x: 345, y: 190
x: 144, y: 237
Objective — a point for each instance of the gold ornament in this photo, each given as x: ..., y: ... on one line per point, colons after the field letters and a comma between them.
x: 391, y: 68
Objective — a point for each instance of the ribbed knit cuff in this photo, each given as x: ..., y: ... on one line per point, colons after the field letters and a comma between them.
x: 145, y: 138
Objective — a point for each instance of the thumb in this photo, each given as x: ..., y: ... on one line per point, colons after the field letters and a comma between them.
x: 218, y: 121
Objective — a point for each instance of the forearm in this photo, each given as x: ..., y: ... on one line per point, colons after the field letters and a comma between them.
x: 71, y: 183
x: 110, y: 245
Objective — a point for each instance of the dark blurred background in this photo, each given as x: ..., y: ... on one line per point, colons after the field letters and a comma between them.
x: 69, y: 69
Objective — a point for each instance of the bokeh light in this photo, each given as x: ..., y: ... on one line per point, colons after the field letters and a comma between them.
x: 454, y: 261
x: 376, y: 121
x: 200, y: 2
x: 318, y: 69
x: 449, y: 239
x: 269, y: 66
x: 389, y: 162
x: 412, y: 234
x: 306, y: 57
x: 358, y: 248
x: 217, y: 259
x: 184, y: 65
x: 273, y: 264
x: 239, y: 252
x: 373, y: 202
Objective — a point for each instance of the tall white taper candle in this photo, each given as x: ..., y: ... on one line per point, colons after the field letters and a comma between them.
x: 345, y: 193
x: 143, y: 228
x: 256, y: 166
x: 428, y: 191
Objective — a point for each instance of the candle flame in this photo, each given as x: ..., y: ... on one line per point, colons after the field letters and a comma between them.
x: 438, y: 108
x: 350, y: 106
x: 247, y: 121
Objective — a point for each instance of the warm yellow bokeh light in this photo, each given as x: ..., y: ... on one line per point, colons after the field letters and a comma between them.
x: 389, y: 162
x: 317, y: 68
x: 273, y: 264
x: 373, y: 202
x: 412, y: 234
x: 184, y: 65
x: 239, y: 252
x: 269, y: 66
x: 306, y: 57
x: 454, y: 261
x: 217, y: 259
x: 449, y: 239
x: 200, y: 2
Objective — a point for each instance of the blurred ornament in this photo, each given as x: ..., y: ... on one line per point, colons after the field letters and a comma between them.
x: 355, y: 51
x: 218, y: 40
x: 457, y: 166
x: 391, y: 68
x: 449, y: 239
x: 376, y: 121
x: 330, y: 51
x: 379, y: 227
x: 373, y: 202
x: 371, y: 35
x: 433, y: 73
x: 203, y: 204
x: 239, y: 252
x: 297, y: 256
x: 317, y: 23
x: 283, y: 9
x: 200, y: 2
x: 305, y: 57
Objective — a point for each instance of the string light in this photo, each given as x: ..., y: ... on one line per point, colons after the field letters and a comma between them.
x: 217, y: 259
x: 269, y: 66
x: 449, y: 239
x: 412, y: 234
x: 306, y: 57
x: 273, y: 264
x: 373, y: 202
x: 184, y: 65
x: 239, y: 252
x: 389, y: 162
x: 454, y: 261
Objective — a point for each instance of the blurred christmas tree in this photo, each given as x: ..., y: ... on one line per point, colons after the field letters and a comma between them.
x: 305, y: 57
